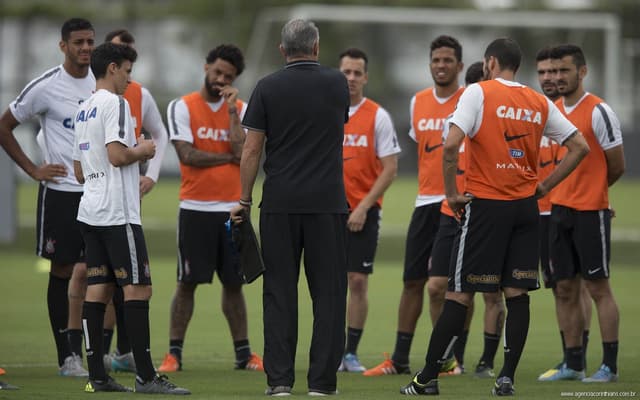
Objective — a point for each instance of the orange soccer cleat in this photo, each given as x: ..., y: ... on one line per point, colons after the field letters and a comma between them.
x: 170, y: 364
x: 387, y: 367
x: 253, y: 363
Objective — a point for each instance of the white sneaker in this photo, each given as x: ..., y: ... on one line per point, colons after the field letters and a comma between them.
x: 73, y: 367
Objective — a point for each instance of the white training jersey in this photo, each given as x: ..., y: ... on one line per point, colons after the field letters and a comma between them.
x: 152, y: 123
x: 111, y: 194
x: 54, y: 97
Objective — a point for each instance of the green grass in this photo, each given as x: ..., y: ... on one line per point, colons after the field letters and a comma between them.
x: 28, y: 354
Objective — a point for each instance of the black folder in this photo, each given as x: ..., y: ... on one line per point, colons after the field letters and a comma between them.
x: 247, y: 248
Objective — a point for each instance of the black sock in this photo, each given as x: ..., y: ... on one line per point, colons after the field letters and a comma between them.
x: 58, y: 304
x: 74, y: 336
x: 610, y: 355
x: 123, y: 345
x: 353, y: 339
x: 175, y: 348
x: 491, y: 342
x: 585, y: 343
x: 459, y: 347
x: 107, y: 336
x: 575, y: 358
x: 93, y: 323
x: 403, y: 347
x: 564, y: 348
x: 517, y: 327
x: 443, y: 337
x: 242, y: 349
x: 136, y: 314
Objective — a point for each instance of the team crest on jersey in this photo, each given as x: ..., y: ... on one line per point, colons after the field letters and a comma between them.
x: 84, y: 146
x: 355, y: 140
x: 147, y: 270
x: 50, y: 246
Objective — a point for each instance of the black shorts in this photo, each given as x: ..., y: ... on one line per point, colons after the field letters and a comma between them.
x: 420, y: 237
x: 580, y: 243
x: 544, y: 252
x: 116, y: 254
x: 497, y: 246
x: 204, y: 246
x: 442, y: 246
x: 58, y: 236
x: 361, y: 246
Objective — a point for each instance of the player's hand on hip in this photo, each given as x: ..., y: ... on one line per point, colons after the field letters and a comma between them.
x: 239, y: 213
x: 457, y: 203
x: 49, y: 172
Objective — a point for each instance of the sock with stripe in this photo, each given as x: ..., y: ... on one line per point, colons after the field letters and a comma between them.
x: 93, y: 324
x: 353, y: 340
x: 136, y: 314
x: 242, y: 350
x: 443, y: 337
x: 175, y: 348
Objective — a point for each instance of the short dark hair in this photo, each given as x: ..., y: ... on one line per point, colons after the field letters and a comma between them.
x: 572, y: 50
x: 507, y: 51
x: 474, y: 73
x: 544, y: 53
x: 125, y: 36
x: 447, y: 41
x: 108, y: 53
x: 230, y: 53
x: 353, y: 52
x: 74, y: 24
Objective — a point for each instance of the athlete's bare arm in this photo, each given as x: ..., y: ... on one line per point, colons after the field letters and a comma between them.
x: 615, y: 164
x: 193, y: 157
x: 577, y: 149
x: 45, y: 172
x: 237, y: 135
x: 450, y: 167
x: 121, y: 155
x: 251, y: 153
x: 77, y: 170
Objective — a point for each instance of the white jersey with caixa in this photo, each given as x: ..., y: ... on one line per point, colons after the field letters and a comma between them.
x: 53, y: 98
x: 111, y: 194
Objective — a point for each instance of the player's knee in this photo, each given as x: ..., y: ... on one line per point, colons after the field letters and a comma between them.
x: 436, y: 289
x: 599, y: 289
x: 414, y: 286
x: 357, y: 283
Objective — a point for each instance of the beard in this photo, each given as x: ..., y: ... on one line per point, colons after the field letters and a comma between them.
x: 212, y: 90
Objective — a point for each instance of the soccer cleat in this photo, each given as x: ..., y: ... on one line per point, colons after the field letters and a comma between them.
x: 503, y: 387
x: 278, y: 391
x: 350, y: 363
x: 123, y: 362
x: 387, y: 367
x: 2, y: 371
x: 450, y: 367
x: 159, y: 385
x: 551, y: 371
x: 253, y: 363
x: 73, y: 367
x: 563, y: 374
x: 109, y: 385
x: 7, y: 386
x: 170, y: 364
x: 318, y: 392
x: 415, y: 388
x: 483, y: 371
x: 602, y: 375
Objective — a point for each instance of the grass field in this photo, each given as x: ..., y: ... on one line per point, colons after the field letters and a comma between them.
x: 28, y: 354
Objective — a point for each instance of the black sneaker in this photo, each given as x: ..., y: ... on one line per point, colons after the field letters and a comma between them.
x: 278, y: 391
x: 415, y: 388
x: 503, y: 387
x: 484, y: 371
x: 108, y: 385
x: 159, y: 385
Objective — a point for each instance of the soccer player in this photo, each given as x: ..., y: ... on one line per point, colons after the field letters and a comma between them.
x: 548, y: 160
x: 300, y: 112
x: 504, y: 122
x: 53, y: 98
x: 206, y: 133
x: 580, y: 225
x: 370, y: 154
x: 106, y: 157
x: 429, y: 109
x: 146, y: 115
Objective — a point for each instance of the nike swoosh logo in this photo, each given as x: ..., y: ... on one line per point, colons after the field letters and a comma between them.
x: 558, y: 161
x: 514, y: 137
x: 593, y: 271
x: 430, y: 149
x: 367, y: 264
x: 545, y: 163
x: 459, y: 171
x: 348, y: 158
